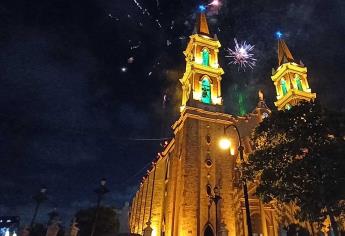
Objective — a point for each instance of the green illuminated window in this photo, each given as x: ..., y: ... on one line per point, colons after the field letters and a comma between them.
x: 298, y: 83
x: 205, y: 57
x: 284, y: 88
x: 206, y: 91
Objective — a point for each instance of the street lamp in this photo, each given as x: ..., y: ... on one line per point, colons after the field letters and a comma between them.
x: 225, y: 145
x: 39, y: 198
x: 100, y: 191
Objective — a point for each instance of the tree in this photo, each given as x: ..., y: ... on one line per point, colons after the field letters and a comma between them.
x: 54, y: 219
x: 38, y: 230
x: 299, y: 159
x: 296, y: 230
x: 107, y: 222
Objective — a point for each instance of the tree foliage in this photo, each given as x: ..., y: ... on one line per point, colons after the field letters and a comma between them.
x: 107, y: 222
x: 296, y: 230
x: 299, y: 158
x: 38, y: 229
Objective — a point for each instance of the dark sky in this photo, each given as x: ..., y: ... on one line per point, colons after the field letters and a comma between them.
x: 69, y: 115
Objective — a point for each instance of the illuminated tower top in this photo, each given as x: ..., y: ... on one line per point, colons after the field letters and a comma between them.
x: 290, y: 79
x: 201, y: 80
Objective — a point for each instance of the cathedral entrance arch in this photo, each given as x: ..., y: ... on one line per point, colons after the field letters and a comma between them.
x: 208, y: 231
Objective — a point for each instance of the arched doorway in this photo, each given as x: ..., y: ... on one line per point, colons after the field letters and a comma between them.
x: 208, y: 231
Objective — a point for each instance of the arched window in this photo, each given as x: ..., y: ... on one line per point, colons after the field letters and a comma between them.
x: 205, y: 57
x: 205, y: 91
x: 284, y: 88
x: 208, y: 231
x: 298, y: 83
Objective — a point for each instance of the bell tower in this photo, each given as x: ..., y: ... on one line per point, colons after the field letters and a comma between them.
x: 290, y: 79
x: 201, y: 80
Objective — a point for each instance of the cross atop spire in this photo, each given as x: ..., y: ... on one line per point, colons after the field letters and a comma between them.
x: 201, y: 26
x: 284, y: 54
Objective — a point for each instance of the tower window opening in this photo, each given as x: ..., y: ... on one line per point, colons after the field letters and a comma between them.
x: 298, y: 83
x: 284, y: 88
x: 206, y: 91
x: 167, y: 169
x: 205, y: 57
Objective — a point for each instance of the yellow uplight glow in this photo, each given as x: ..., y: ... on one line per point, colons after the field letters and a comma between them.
x: 154, y: 232
x: 232, y: 151
x: 224, y: 143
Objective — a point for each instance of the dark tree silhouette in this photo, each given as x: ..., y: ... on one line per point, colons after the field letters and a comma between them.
x: 38, y: 230
x: 299, y: 158
x: 296, y: 230
x: 107, y: 221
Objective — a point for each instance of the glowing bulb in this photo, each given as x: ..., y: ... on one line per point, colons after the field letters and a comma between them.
x: 232, y: 151
x: 224, y: 143
x: 124, y: 69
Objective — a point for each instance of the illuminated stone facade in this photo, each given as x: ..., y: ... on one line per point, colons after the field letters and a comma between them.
x: 175, y: 196
x: 201, y: 81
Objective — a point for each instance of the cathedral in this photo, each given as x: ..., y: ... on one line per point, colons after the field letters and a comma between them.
x: 193, y: 187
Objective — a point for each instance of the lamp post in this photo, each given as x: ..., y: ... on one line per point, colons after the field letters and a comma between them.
x: 100, y: 191
x: 216, y: 198
x: 39, y: 199
x: 225, y: 144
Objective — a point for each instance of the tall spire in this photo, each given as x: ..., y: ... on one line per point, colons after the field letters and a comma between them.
x: 201, y: 26
x: 284, y: 54
x: 201, y: 82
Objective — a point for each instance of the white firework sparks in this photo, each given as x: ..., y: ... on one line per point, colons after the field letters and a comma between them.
x: 242, y: 55
x: 214, y: 3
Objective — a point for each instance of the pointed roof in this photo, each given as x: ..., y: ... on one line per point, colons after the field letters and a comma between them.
x: 284, y: 54
x: 201, y: 26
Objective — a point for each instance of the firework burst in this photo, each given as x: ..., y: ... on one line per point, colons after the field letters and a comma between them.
x: 242, y: 55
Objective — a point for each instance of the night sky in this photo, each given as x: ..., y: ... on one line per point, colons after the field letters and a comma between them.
x: 70, y: 115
